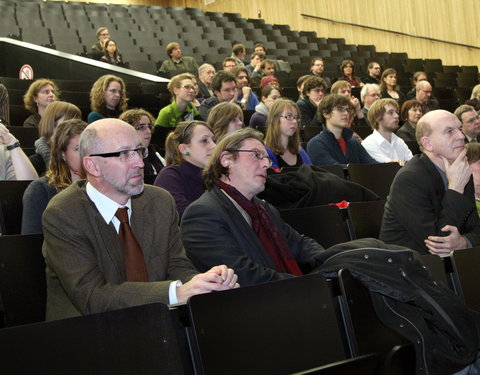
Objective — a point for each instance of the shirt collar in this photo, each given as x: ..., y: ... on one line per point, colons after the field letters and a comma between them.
x: 106, y: 206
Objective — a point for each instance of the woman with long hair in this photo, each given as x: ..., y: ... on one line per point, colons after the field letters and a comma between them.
x: 187, y: 150
x: 111, y: 54
x: 224, y: 119
x: 108, y: 98
x: 142, y: 121
x: 347, y: 68
x: 474, y: 100
x: 65, y: 167
x: 39, y: 95
x: 55, y: 113
x: 283, y: 136
x: 389, y: 87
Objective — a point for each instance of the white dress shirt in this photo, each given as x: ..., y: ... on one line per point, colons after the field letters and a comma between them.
x: 383, y: 151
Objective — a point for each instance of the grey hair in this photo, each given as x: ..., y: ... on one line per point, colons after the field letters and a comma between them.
x: 90, y: 142
x: 367, y: 87
x: 204, y: 67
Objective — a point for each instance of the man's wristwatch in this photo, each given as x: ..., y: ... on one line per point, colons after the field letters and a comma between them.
x: 13, y: 146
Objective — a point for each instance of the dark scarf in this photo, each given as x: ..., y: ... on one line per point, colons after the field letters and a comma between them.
x: 266, y: 231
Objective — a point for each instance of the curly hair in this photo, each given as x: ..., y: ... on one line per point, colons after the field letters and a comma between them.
x: 97, y: 94
x: 34, y: 89
x: 132, y: 116
x: 58, y: 174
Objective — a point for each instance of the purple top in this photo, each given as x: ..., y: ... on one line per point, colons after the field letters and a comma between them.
x: 184, y: 182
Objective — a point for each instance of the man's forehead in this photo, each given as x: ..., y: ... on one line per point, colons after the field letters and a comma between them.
x: 469, y: 114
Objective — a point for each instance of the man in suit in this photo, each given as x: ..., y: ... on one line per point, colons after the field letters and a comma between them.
x: 229, y: 224
x: 431, y: 206
x: 89, y: 269
x: 205, y: 74
x: 470, y: 122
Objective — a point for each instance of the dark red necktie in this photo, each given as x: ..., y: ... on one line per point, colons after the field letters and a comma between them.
x: 132, y: 252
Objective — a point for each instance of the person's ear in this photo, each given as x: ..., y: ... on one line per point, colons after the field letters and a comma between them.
x: 91, y: 167
x: 183, y: 148
x: 426, y: 144
x: 226, y: 159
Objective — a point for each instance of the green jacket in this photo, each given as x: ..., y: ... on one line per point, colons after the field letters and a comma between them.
x: 170, y: 115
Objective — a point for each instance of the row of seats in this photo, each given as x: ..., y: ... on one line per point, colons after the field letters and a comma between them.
x: 186, y: 339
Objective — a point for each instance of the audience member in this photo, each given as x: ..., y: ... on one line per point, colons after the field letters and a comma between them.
x: 238, y: 53
x: 335, y: 144
x: 473, y: 157
x: 39, y: 95
x: 389, y: 87
x: 374, y: 73
x: 224, y: 119
x: 245, y: 97
x: 267, y: 68
x: 369, y: 94
x: 108, y: 98
x: 424, y: 96
x: 55, y: 113
x: 64, y: 168
x: 143, y: 121
x: 313, y: 92
x: 383, y: 145
x: 269, y: 95
x: 282, y: 141
x: 431, y: 205
x: 111, y: 54
x: 348, y: 70
x: 98, y: 48
x: 205, y: 74
x: 412, y: 111
x: 470, y: 122
x: 4, y: 106
x: 300, y: 82
x: 14, y: 164
x: 187, y: 150
x: 106, y: 275
x: 255, y: 63
x: 259, y: 47
x: 224, y: 88
x: 228, y: 224
x: 474, y: 100
x: 228, y: 64
x: 181, y: 109
x: 176, y: 62
x: 269, y: 80
x: 316, y: 69
x: 416, y: 77
x: 345, y: 89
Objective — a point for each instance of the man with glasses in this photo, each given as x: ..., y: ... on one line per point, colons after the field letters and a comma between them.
x: 335, y: 144
x: 423, y: 94
x: 112, y: 242
x: 98, y: 49
x: 374, y: 73
x: 470, y: 122
x: 228, y: 224
x: 370, y: 94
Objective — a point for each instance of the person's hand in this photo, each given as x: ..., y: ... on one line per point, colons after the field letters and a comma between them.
x: 217, y: 278
x: 444, y: 245
x: 268, y: 103
x: 257, y: 67
x: 458, y: 173
x: 246, y: 90
x: 6, y: 137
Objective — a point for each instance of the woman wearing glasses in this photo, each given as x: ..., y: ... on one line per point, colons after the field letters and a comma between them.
x: 108, y: 98
x: 183, y: 93
x: 65, y: 167
x: 283, y: 136
x: 187, y: 150
x: 142, y: 121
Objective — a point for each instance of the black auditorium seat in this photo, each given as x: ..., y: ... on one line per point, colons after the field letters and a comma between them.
x: 11, y: 206
x: 377, y: 177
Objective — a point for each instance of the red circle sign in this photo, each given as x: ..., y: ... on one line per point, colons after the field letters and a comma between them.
x: 26, y: 72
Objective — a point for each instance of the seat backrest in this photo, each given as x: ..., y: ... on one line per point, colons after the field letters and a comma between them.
x: 325, y: 224
x: 376, y: 177
x: 465, y: 267
x: 22, y: 279
x: 366, y: 218
x: 273, y: 328
x: 11, y: 206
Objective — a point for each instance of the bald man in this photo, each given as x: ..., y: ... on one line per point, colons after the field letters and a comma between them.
x: 89, y: 269
x: 423, y: 93
x: 431, y: 206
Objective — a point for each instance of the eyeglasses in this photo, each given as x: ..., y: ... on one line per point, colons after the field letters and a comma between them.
x: 318, y: 90
x: 143, y: 127
x: 375, y: 95
x: 290, y: 117
x: 188, y: 87
x: 342, y: 109
x: 125, y: 155
x: 115, y: 91
x: 257, y: 155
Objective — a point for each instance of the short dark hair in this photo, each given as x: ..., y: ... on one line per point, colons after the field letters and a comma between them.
x: 267, y: 62
x: 329, y: 102
x: 229, y: 59
x: 219, y: 78
x: 259, y: 54
x: 238, y: 48
x: 313, y: 82
x: 406, y: 106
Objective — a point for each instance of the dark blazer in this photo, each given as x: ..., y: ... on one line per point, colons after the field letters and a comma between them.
x: 308, y: 112
x: 215, y: 232
x: 418, y: 206
x: 204, y: 93
x: 85, y: 266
